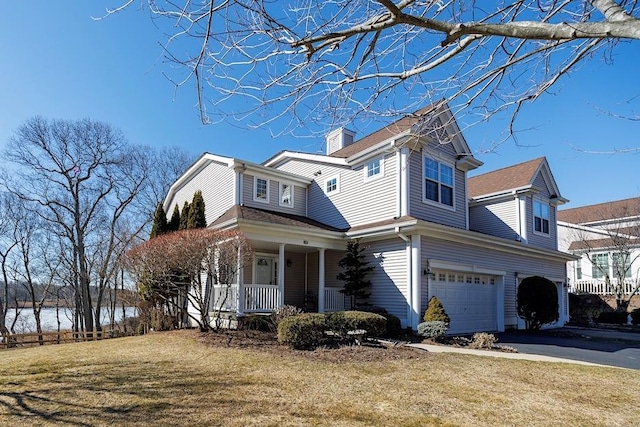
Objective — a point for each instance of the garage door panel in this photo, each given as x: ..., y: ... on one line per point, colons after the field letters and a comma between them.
x: 471, y: 306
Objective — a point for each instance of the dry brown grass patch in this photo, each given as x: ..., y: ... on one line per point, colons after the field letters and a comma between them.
x: 184, y: 378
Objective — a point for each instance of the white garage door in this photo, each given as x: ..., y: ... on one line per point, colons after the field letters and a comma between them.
x: 469, y: 300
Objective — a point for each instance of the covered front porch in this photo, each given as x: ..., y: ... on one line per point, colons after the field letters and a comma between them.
x: 302, y: 275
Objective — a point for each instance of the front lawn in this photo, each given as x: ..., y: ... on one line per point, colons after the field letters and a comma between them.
x: 182, y: 378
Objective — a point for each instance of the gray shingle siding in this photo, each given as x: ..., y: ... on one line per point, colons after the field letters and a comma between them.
x: 430, y: 212
x: 498, y: 219
x: 357, y: 202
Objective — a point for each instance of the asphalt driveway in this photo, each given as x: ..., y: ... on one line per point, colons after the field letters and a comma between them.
x: 604, y: 347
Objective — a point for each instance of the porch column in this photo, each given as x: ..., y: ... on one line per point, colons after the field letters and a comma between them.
x: 321, y: 280
x: 281, y: 275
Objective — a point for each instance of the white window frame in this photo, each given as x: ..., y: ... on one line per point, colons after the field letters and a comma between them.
x: 255, y: 189
x: 367, y: 167
x: 439, y: 182
x: 281, y: 192
x: 337, y: 189
x: 542, y: 218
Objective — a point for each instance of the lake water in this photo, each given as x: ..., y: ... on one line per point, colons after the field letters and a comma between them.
x: 26, y: 321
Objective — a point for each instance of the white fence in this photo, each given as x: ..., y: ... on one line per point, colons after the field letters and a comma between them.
x: 599, y: 287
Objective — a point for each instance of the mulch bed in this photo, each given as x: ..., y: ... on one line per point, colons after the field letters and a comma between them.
x: 267, y: 342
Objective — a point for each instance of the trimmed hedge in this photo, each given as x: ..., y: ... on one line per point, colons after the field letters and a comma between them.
x: 635, y: 316
x: 342, y: 323
x: 393, y: 324
x: 613, y: 317
x: 434, y: 330
x: 304, y: 331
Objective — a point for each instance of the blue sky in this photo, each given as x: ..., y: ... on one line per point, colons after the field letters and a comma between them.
x: 59, y: 63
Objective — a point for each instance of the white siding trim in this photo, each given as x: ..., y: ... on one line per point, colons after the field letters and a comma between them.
x: 415, y: 288
x: 404, y: 181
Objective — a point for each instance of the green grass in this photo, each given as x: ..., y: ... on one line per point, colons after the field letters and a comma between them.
x: 173, y: 380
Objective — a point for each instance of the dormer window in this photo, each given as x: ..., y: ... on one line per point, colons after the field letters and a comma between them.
x: 540, y: 217
x: 261, y: 190
x: 438, y: 182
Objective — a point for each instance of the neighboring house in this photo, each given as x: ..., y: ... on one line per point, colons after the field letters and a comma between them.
x: 606, y: 236
x: 404, y: 191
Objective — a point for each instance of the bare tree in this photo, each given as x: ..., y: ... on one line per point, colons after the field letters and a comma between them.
x: 181, y: 267
x: 79, y: 173
x: 307, y: 60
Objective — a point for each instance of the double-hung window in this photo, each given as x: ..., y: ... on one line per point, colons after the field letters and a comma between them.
x: 540, y: 217
x: 286, y: 194
x: 261, y: 189
x: 438, y: 182
x: 599, y: 265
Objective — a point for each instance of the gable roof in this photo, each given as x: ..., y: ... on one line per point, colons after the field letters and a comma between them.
x: 520, y: 177
x: 626, y: 208
x: 508, y: 178
x: 428, y: 121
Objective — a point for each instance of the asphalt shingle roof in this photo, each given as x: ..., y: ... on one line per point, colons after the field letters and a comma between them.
x: 601, y: 212
x: 504, y: 179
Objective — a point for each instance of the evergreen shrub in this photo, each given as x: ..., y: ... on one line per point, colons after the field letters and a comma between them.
x: 537, y: 302
x: 342, y: 323
x: 435, y: 312
x: 435, y: 329
x: 304, y: 331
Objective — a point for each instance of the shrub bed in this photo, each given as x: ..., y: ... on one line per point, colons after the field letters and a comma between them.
x: 635, y: 316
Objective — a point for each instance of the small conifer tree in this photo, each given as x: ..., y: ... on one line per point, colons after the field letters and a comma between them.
x: 184, y: 216
x: 197, y: 217
x: 435, y: 312
x: 159, y: 222
x: 174, y: 223
x: 354, y: 275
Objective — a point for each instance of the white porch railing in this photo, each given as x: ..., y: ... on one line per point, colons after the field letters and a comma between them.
x: 333, y: 299
x: 599, y: 287
x: 252, y: 298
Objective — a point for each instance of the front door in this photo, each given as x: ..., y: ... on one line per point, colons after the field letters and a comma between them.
x: 266, y: 270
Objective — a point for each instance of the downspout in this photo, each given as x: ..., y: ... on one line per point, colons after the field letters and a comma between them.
x: 409, y: 271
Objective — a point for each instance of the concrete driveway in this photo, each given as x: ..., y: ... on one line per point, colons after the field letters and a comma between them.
x: 604, y: 347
